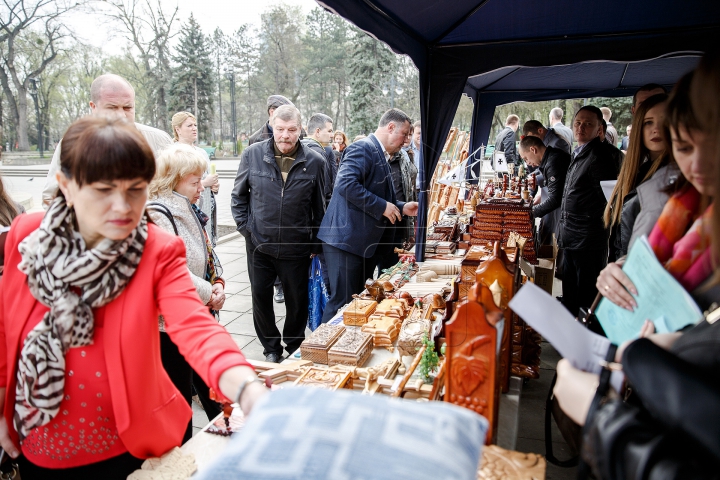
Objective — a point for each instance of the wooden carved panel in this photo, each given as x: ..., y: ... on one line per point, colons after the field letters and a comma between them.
x: 494, y: 274
x: 499, y: 463
x: 471, y: 369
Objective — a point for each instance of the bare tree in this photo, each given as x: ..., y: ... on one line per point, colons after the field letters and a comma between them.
x: 150, y: 29
x: 30, y: 39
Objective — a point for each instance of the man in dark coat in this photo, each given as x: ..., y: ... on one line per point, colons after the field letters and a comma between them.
x: 553, y: 165
x: 505, y: 140
x: 265, y: 132
x: 548, y: 135
x: 582, y: 234
x: 278, y: 203
x: 320, y: 127
x: 355, y: 229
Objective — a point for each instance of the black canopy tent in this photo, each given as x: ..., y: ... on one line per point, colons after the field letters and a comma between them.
x: 582, y: 80
x: 452, y: 41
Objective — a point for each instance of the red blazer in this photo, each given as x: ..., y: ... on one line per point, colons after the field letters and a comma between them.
x: 151, y: 413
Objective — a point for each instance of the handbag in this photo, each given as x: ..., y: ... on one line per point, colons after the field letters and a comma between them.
x: 671, y: 430
x: 317, y: 294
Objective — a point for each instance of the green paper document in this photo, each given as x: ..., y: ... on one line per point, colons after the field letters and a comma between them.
x: 660, y: 299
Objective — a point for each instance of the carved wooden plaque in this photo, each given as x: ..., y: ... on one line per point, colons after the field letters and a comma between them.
x: 472, y: 375
x: 499, y: 463
x: 327, y: 379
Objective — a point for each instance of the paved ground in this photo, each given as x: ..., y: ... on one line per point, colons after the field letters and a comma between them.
x: 236, y: 317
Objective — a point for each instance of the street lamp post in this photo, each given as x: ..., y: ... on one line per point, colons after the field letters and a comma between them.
x: 230, y: 75
x: 392, y: 89
x: 33, y: 91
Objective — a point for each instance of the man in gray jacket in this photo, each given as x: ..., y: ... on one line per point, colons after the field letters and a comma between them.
x: 278, y: 204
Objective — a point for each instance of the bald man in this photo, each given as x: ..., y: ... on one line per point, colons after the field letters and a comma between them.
x: 111, y: 96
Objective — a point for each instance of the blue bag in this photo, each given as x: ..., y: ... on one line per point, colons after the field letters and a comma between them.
x: 317, y: 295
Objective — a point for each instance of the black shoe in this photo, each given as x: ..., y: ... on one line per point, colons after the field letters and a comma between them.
x: 273, y: 358
x: 279, y: 295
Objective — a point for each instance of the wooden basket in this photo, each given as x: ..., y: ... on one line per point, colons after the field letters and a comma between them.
x: 315, y: 347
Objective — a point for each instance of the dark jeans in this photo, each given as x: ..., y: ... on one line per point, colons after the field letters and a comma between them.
x: 347, y: 274
x: 293, y: 273
x: 115, y: 468
x: 184, y: 378
x: 580, y: 271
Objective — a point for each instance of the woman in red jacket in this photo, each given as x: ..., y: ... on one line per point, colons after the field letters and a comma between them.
x: 84, y: 393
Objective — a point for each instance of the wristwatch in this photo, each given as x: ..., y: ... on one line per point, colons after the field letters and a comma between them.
x: 251, y: 379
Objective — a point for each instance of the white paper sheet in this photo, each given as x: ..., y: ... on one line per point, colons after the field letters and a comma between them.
x: 607, y: 187
x: 581, y: 347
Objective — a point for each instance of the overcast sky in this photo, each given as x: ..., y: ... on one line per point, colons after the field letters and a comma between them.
x: 226, y: 14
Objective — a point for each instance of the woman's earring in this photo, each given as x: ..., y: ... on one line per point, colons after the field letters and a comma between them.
x: 70, y: 204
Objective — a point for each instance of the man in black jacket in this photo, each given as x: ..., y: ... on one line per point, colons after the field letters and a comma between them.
x: 320, y: 127
x: 266, y: 131
x: 278, y: 204
x: 505, y: 140
x: 582, y: 234
x: 548, y: 135
x: 553, y: 164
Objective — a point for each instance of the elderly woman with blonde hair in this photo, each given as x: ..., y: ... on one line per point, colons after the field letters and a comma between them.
x: 174, y: 193
x: 185, y: 131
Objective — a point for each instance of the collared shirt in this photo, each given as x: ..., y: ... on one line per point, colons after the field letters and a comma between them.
x: 416, y: 161
x: 578, y: 150
x: 385, y: 152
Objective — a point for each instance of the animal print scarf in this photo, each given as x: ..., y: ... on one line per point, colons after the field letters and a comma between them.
x: 72, y: 280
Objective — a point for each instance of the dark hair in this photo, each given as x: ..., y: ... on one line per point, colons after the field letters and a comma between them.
x: 704, y: 95
x: 394, y: 115
x: 647, y: 88
x: 104, y: 149
x: 593, y: 109
x: 604, y: 125
x: 530, y: 141
x: 532, y: 126
x: 318, y: 120
x: 679, y: 113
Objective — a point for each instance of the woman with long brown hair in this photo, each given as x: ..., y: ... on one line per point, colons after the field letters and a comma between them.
x: 649, y: 151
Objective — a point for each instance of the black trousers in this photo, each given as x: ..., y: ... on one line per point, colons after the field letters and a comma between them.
x: 580, y: 271
x: 115, y: 468
x: 347, y: 274
x: 293, y: 273
x: 184, y: 378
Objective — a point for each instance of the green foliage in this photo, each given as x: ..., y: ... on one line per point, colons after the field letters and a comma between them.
x: 370, y: 65
x: 429, y: 360
x: 192, y: 85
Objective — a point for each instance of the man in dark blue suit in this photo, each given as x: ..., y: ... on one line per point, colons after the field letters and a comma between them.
x: 354, y: 230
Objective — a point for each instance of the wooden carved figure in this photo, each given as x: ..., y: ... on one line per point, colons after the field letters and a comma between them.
x: 471, y: 356
x: 494, y: 271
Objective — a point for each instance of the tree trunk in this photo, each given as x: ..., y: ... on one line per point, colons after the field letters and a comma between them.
x: 22, y: 121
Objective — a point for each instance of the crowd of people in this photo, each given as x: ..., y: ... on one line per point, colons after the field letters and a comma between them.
x: 109, y: 297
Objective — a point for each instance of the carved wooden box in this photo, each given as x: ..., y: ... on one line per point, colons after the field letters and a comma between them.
x: 315, y: 347
x: 357, y: 313
x: 411, y: 332
x: 353, y: 349
x: 391, y: 307
x: 384, y: 330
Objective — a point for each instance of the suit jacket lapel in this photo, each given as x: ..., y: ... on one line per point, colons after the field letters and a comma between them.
x: 386, y: 168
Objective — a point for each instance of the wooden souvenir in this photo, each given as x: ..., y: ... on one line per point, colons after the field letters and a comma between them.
x: 416, y: 361
x: 416, y: 324
x: 452, y: 198
x: 450, y: 138
x: 384, y: 330
x: 445, y: 248
x: 494, y: 274
x: 386, y: 369
x: 325, y: 378
x: 472, y: 367
x: 393, y: 307
x: 315, y: 347
x: 358, y: 311
x: 353, y: 349
x: 499, y: 463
